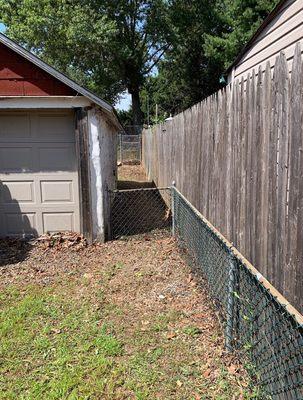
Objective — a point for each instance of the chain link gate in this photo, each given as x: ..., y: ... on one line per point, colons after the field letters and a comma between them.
x: 138, y: 211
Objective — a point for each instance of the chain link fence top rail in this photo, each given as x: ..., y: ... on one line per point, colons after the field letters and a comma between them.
x: 260, y: 324
x: 137, y: 211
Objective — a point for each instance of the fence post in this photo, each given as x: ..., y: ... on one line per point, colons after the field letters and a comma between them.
x: 140, y: 148
x: 109, y: 201
x: 121, y: 161
x: 172, y: 193
x: 231, y: 303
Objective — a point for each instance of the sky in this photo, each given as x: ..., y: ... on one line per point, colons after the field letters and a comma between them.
x: 1, y: 27
x: 124, y: 103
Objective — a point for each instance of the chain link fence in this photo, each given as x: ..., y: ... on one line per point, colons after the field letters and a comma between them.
x: 260, y: 325
x: 137, y: 211
x: 129, y: 149
x: 263, y: 329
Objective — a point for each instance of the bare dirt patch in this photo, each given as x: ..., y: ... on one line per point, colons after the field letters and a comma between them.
x: 132, y: 177
x: 121, y: 320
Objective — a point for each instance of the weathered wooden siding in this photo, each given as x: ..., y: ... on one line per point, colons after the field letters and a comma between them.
x: 19, y: 77
x: 281, y: 34
x: 237, y: 156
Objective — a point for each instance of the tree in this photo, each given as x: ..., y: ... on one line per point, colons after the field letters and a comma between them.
x: 239, y: 19
x: 185, y: 74
x: 109, y: 45
x: 207, y: 36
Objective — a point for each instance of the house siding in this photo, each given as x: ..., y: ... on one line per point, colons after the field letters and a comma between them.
x: 19, y: 77
x: 281, y: 34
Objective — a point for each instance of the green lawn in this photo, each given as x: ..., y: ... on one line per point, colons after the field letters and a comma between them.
x: 97, y: 328
x: 53, y: 347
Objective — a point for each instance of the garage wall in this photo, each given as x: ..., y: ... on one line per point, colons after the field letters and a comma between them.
x: 103, y: 169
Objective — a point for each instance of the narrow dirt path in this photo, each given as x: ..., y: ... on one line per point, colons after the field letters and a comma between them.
x: 132, y: 177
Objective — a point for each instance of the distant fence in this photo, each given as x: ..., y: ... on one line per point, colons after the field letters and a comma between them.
x: 129, y: 148
x: 133, y: 129
x: 238, y: 157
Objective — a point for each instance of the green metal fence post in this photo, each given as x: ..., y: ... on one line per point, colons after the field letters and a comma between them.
x: 231, y: 303
x: 173, y: 228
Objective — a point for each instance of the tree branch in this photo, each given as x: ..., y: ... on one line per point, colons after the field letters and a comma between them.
x: 156, y: 61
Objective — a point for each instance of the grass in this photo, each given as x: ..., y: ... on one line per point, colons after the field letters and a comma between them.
x: 97, y: 329
x: 52, y: 347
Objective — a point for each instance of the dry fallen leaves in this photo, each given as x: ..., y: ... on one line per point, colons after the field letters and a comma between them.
x: 166, y: 292
x: 232, y: 369
x: 171, y: 335
x: 207, y: 373
x: 62, y: 240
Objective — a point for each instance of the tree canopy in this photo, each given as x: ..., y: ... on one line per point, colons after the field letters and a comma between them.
x: 165, y: 52
x: 208, y: 36
x: 238, y: 19
x: 109, y: 45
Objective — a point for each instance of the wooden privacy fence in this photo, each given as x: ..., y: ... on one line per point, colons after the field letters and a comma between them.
x: 237, y: 156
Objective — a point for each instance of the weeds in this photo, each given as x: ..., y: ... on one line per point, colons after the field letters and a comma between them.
x: 90, y: 327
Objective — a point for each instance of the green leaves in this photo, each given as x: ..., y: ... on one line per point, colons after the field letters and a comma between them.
x: 108, y: 45
x: 238, y: 21
x: 173, y: 52
x: 205, y: 37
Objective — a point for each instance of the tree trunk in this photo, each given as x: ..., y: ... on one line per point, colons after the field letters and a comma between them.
x: 136, y: 107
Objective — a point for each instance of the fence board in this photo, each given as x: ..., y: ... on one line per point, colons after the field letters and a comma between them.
x: 294, y: 229
x: 259, y: 172
x: 237, y: 156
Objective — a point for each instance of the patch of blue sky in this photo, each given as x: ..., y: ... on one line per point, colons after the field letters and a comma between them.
x: 124, y: 103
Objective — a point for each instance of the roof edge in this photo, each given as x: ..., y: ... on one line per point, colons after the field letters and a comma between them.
x: 248, y: 45
x: 106, y: 107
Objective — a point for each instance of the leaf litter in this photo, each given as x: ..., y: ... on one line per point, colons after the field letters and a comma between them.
x: 173, y: 344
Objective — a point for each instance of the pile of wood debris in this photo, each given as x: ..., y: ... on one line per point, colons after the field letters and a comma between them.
x: 62, y: 240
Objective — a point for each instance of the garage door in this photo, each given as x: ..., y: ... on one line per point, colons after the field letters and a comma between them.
x: 38, y: 173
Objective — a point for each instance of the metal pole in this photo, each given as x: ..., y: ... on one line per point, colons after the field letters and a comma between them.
x: 140, y: 148
x: 172, y: 193
x: 230, y: 317
x: 110, y: 199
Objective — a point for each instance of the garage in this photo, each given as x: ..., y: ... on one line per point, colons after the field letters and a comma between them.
x: 57, y: 150
x: 38, y: 172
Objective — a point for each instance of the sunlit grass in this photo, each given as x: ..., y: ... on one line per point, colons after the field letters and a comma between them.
x: 52, y: 347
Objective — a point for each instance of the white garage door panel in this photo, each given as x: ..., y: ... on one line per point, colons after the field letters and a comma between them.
x: 54, y: 221
x: 17, y: 191
x: 15, y: 223
x: 19, y: 127
x: 56, y: 127
x: 53, y: 158
x: 57, y: 191
x: 38, y: 174
x: 16, y: 159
